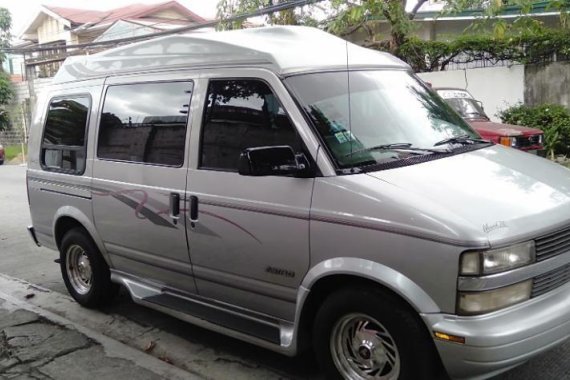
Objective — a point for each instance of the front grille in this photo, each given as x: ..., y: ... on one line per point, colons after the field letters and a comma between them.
x: 525, y: 141
x: 550, y: 280
x: 553, y: 244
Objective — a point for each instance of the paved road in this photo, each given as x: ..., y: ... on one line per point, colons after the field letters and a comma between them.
x: 212, y: 354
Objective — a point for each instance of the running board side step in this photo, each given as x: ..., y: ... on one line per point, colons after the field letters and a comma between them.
x: 269, y: 333
x: 218, y: 317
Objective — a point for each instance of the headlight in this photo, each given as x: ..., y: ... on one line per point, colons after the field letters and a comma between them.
x: 497, y: 260
x: 471, y: 303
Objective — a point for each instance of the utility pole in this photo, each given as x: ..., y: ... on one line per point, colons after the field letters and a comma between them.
x: 25, y: 130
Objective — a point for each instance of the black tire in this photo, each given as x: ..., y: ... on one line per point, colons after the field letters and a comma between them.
x: 91, y: 290
x: 414, y: 347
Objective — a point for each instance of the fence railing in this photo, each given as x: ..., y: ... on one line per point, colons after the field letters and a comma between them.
x: 8, y: 138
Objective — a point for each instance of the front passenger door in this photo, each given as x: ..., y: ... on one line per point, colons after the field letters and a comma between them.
x: 250, y: 245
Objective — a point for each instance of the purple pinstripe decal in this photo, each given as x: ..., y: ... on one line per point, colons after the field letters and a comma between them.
x: 230, y: 222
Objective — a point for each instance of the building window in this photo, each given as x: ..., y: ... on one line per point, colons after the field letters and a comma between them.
x: 145, y: 122
x: 242, y: 114
x: 63, y: 144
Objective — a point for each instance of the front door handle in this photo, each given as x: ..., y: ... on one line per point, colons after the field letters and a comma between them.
x: 193, y: 208
x: 174, y: 207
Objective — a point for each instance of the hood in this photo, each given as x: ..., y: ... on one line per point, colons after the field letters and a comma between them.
x: 490, y: 127
x: 494, y: 193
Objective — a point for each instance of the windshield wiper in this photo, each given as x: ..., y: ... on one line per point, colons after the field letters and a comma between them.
x: 403, y: 147
x: 463, y: 139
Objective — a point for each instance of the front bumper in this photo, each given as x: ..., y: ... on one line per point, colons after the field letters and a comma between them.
x: 501, y: 340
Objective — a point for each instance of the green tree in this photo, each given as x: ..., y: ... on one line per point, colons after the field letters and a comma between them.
x: 6, y: 92
x: 354, y: 15
x: 229, y: 8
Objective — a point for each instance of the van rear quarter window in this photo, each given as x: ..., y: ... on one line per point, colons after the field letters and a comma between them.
x: 63, y: 142
x: 145, y: 122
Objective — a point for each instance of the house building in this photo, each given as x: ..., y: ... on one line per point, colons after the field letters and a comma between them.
x: 59, y: 27
x: 433, y: 24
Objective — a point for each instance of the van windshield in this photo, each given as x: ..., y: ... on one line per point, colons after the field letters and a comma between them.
x: 387, y: 115
x: 467, y: 108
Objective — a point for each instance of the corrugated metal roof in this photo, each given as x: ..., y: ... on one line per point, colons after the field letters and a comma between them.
x: 284, y: 50
x: 132, y: 11
x: 537, y: 9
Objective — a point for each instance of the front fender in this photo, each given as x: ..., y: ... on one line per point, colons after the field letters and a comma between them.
x: 386, y: 276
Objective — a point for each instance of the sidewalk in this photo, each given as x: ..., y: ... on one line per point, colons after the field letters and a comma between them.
x: 34, y: 347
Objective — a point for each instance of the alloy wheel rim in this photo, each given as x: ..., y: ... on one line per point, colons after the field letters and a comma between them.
x: 79, y: 269
x: 362, y: 348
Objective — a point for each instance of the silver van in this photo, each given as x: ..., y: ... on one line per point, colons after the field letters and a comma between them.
x: 295, y: 191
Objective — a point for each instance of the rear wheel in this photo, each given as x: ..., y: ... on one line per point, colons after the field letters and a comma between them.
x: 85, y: 272
x: 363, y: 334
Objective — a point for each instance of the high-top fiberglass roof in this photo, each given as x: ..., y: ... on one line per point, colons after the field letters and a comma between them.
x: 284, y: 50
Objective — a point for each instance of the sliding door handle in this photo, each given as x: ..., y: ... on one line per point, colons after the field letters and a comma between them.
x: 193, y: 208
x: 174, y: 207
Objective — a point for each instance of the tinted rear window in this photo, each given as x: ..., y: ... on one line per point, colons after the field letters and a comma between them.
x: 145, y: 123
x: 66, y: 121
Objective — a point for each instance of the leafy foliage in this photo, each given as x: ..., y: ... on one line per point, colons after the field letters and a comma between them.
x: 351, y: 16
x: 553, y: 119
x: 362, y: 14
x: 6, y: 91
x: 524, y: 49
x: 229, y: 8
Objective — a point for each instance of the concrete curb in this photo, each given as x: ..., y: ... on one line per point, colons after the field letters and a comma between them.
x: 13, y: 291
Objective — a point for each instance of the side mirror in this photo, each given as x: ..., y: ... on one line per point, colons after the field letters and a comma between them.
x: 272, y: 160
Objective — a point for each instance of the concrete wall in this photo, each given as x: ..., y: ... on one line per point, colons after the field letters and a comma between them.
x: 23, y: 105
x: 548, y: 83
x: 497, y: 87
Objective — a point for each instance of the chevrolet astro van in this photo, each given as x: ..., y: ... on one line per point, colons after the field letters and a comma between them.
x: 295, y: 191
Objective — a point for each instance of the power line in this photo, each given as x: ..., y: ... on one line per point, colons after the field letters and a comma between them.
x: 260, y: 12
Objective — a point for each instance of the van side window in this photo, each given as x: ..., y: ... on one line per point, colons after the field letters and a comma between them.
x: 63, y: 143
x: 145, y: 122
x: 241, y: 114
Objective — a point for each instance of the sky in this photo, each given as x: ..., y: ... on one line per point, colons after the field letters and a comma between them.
x: 24, y: 11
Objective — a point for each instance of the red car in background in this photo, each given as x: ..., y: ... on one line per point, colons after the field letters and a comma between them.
x: 1, y: 154
x: 514, y: 136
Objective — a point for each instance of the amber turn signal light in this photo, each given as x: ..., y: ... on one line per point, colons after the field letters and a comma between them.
x: 449, y: 338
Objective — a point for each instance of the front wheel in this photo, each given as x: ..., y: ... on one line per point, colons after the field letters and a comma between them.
x: 363, y: 334
x: 85, y: 272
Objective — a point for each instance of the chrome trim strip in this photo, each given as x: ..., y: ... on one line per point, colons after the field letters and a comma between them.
x: 494, y: 281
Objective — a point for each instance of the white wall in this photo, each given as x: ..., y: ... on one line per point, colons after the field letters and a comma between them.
x: 497, y: 87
